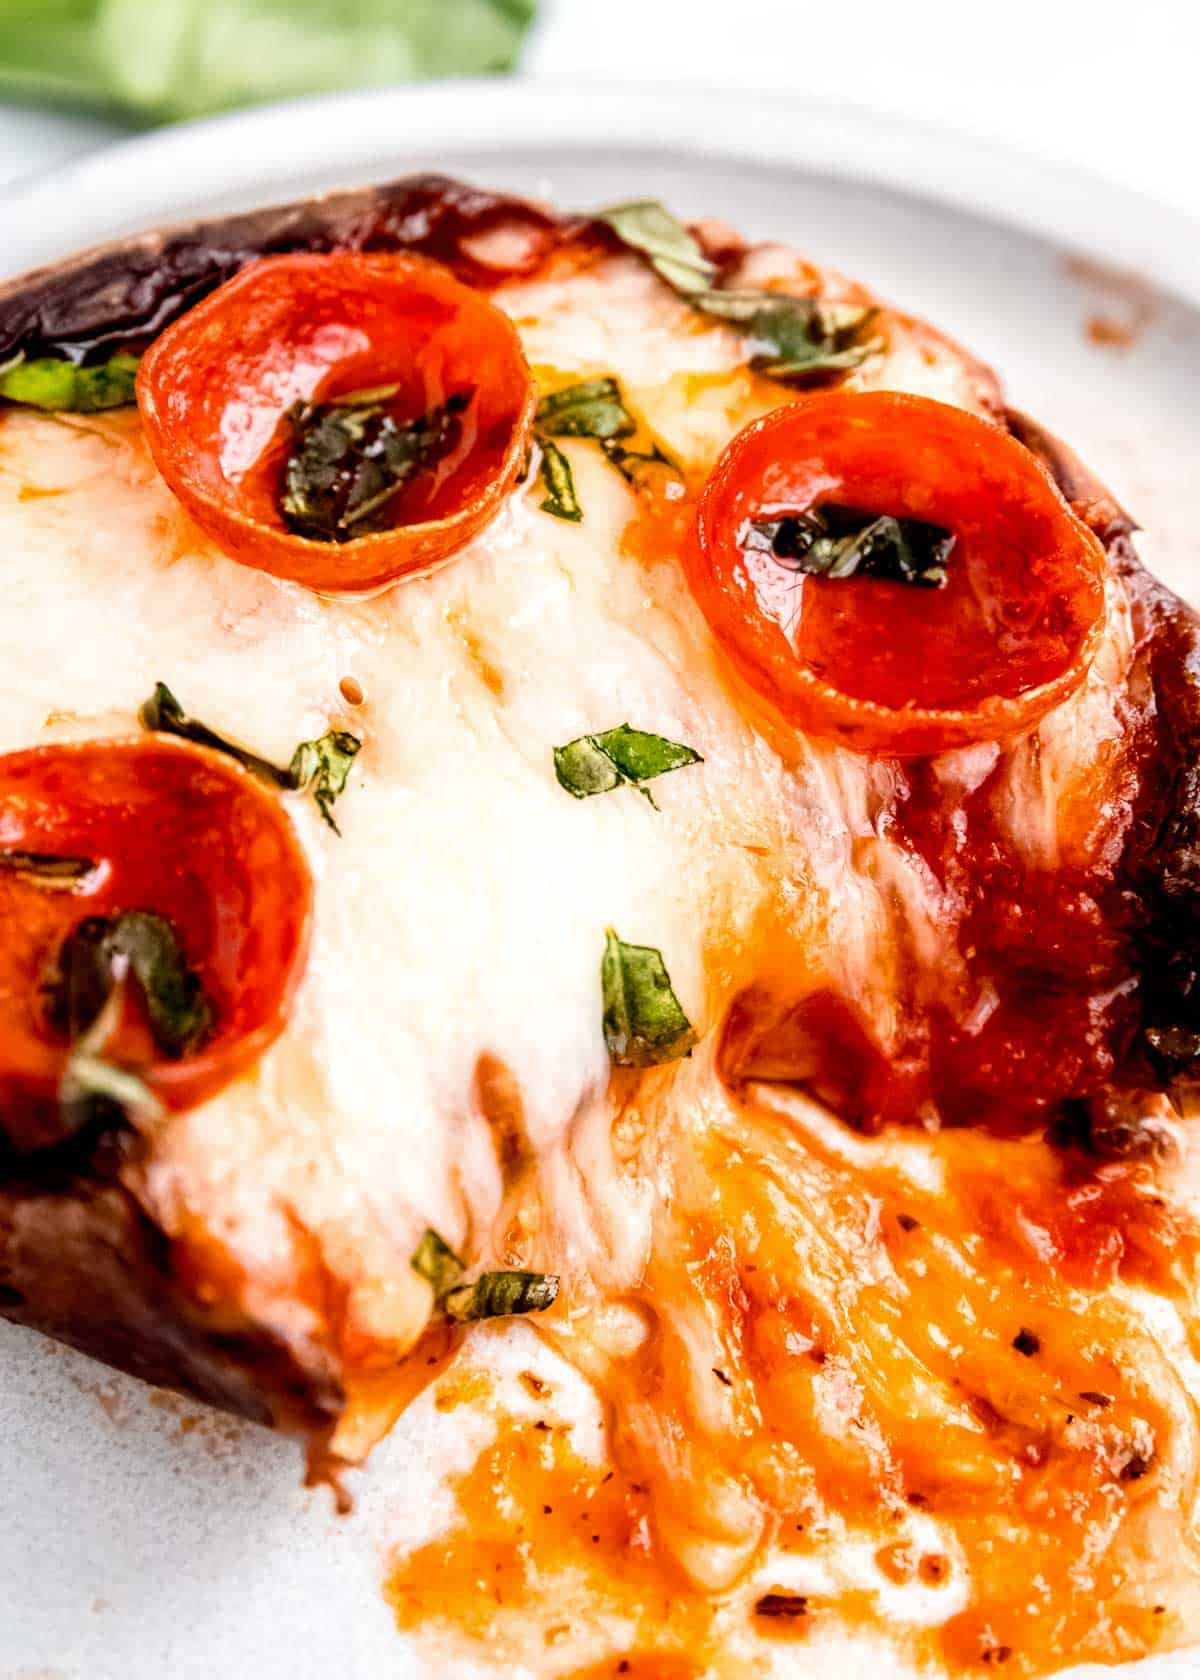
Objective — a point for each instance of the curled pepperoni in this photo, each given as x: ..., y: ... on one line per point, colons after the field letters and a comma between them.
x: 217, y: 388
x: 97, y: 829
x: 881, y: 664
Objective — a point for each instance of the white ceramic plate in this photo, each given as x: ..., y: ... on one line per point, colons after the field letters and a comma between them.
x: 148, y: 1539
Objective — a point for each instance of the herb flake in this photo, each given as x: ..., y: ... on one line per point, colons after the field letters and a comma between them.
x: 58, y: 386
x: 500, y: 1295
x: 350, y: 458
x: 644, y: 1022
x: 89, y: 1080
x: 794, y: 340
x: 491, y: 1295
x: 616, y: 758
x: 435, y: 1261
x: 321, y: 766
x: 48, y: 869
x: 594, y: 409
x: 559, y: 483
x: 101, y: 952
x: 646, y: 226
x: 640, y: 467
x: 838, y: 542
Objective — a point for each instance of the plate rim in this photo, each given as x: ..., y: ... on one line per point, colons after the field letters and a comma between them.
x: 136, y: 181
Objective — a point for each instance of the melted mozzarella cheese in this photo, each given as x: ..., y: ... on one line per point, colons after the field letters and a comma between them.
x: 462, y: 913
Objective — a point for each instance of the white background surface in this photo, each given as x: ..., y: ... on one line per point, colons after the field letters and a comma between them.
x: 1102, y: 84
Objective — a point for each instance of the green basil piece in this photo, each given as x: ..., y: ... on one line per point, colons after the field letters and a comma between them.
x: 647, y: 226
x: 594, y: 409
x: 617, y: 758
x: 349, y: 460
x: 842, y: 542
x: 492, y: 1295
x: 163, y: 714
x: 89, y: 1083
x: 435, y: 1261
x: 644, y: 1022
x: 58, y: 386
x: 793, y: 339
x: 47, y: 868
x: 98, y: 953
x: 322, y: 766
x: 501, y: 1295
x: 559, y: 483
x: 639, y: 466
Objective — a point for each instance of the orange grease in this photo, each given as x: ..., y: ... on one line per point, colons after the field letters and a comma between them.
x: 543, y: 1542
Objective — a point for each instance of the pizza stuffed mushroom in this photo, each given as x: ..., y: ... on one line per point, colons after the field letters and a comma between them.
x: 574, y: 770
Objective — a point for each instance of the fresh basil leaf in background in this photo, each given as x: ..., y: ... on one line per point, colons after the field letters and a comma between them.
x: 841, y: 542
x: 644, y: 1022
x: 52, y: 383
x: 559, y: 483
x: 162, y: 60
x: 618, y: 757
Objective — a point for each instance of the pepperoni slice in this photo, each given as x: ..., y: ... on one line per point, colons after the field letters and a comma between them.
x: 153, y: 824
x: 882, y: 664
x: 216, y: 389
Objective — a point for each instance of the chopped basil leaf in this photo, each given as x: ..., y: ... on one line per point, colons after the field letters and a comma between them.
x: 87, y: 1078
x: 793, y: 339
x: 618, y: 757
x: 163, y: 713
x: 639, y: 467
x: 322, y: 765
x: 349, y: 460
x: 644, y: 1023
x: 500, y: 1295
x: 47, y: 868
x: 492, y: 1295
x: 101, y: 951
x: 841, y: 542
x: 594, y: 409
x: 559, y: 482
x: 649, y: 227
x: 435, y: 1261
x: 55, y: 384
